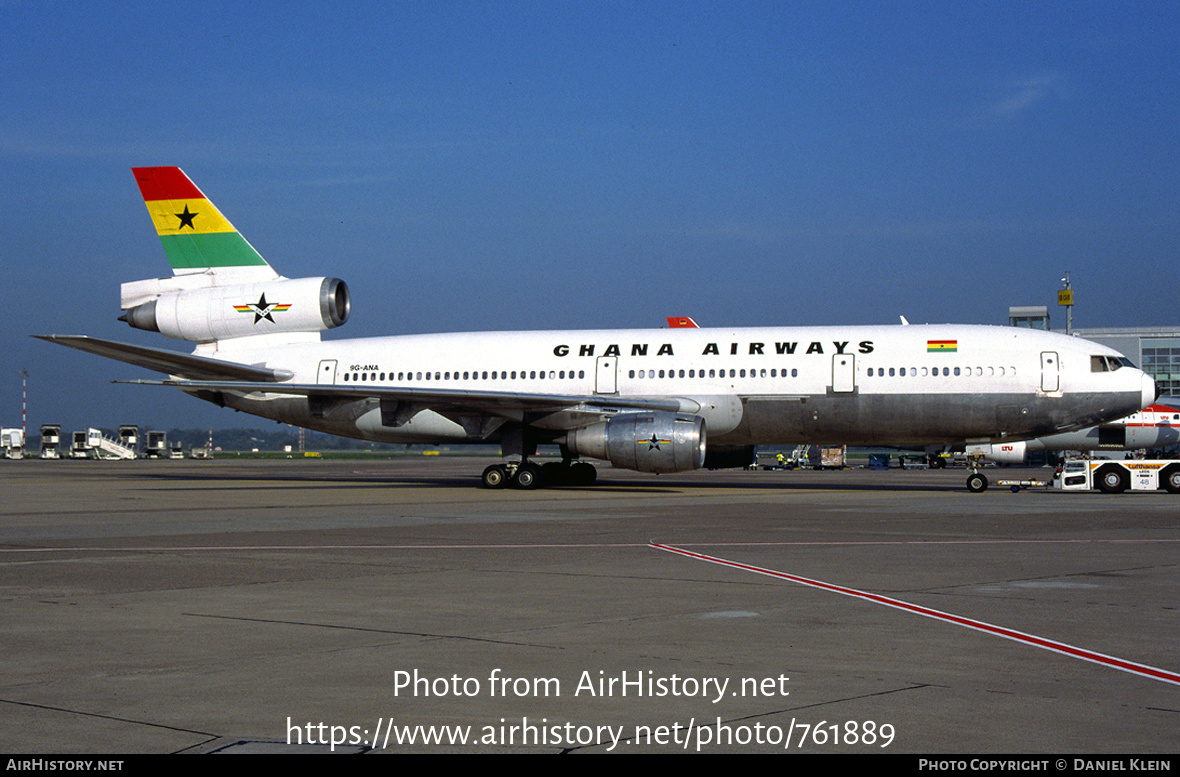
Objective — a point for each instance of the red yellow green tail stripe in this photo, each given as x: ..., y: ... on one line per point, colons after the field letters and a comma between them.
x: 195, y: 236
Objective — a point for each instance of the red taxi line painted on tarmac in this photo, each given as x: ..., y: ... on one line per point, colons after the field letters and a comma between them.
x: 999, y: 631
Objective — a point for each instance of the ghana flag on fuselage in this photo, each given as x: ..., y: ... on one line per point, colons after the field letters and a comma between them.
x: 196, y: 237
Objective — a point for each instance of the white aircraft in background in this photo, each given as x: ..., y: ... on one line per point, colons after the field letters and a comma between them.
x: 652, y: 400
x: 1155, y: 426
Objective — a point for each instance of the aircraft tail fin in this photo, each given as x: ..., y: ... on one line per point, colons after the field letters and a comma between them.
x: 196, y: 237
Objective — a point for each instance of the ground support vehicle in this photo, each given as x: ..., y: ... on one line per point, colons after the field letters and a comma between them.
x: 1110, y: 476
x: 1113, y: 476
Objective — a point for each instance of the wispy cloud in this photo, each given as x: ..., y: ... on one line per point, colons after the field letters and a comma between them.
x: 1021, y: 96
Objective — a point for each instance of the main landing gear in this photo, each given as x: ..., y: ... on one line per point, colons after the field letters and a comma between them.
x: 517, y: 444
x: 526, y: 475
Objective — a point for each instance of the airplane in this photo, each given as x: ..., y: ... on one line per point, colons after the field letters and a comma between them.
x: 1155, y: 426
x: 651, y: 400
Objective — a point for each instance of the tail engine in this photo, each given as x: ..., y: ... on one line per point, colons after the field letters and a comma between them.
x: 222, y: 312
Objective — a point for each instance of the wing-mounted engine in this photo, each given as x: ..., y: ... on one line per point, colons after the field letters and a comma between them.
x: 184, y: 308
x: 648, y: 442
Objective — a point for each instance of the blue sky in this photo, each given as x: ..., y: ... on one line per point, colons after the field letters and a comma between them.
x: 477, y: 165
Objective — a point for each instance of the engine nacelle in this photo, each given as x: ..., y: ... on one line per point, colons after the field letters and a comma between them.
x: 222, y: 312
x: 1000, y: 452
x: 648, y: 442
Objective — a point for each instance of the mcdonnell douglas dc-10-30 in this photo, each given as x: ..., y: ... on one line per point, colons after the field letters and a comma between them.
x: 652, y: 400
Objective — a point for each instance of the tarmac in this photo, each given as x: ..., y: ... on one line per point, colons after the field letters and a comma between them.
x: 388, y: 606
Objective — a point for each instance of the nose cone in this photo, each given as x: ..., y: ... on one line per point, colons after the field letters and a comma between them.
x: 1150, y: 391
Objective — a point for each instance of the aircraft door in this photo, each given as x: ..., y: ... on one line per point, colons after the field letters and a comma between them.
x: 606, y: 375
x: 1050, y: 371
x: 327, y: 372
x: 843, y: 373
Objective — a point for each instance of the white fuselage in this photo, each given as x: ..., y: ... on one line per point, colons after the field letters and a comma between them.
x: 854, y: 385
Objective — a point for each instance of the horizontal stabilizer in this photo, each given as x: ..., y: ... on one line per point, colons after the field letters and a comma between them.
x: 182, y: 365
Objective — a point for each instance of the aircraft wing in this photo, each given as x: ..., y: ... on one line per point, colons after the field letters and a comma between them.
x: 501, y: 403
x: 202, y: 374
x: 183, y: 365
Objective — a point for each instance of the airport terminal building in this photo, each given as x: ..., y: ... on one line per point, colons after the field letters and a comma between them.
x: 1155, y: 350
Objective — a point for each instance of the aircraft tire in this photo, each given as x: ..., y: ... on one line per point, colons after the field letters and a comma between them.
x: 976, y: 483
x: 528, y: 477
x: 583, y: 474
x: 555, y: 474
x: 495, y: 476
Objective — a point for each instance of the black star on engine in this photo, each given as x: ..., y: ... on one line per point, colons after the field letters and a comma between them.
x: 262, y: 310
x: 654, y: 442
x: 186, y: 218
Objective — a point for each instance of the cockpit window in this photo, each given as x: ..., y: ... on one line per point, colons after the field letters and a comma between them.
x: 1108, y: 363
